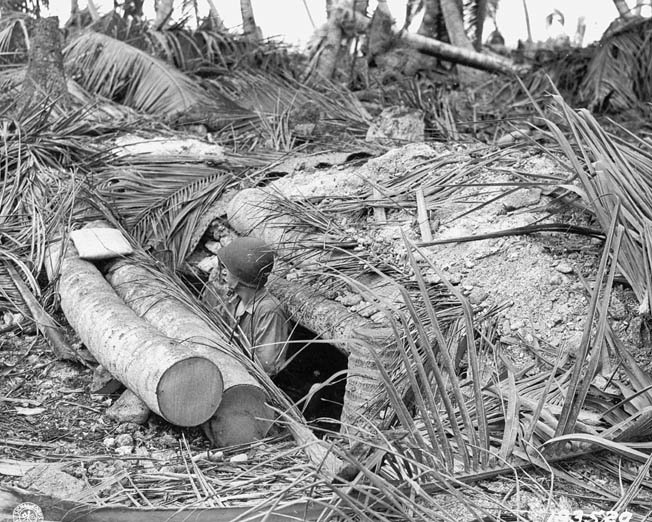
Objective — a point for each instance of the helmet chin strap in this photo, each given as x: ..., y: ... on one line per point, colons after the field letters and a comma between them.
x: 233, y: 287
x: 245, y: 292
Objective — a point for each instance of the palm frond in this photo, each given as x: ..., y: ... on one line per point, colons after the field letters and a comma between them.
x: 163, y: 205
x: 618, y: 76
x: 268, y: 93
x: 14, y: 38
x: 577, y: 391
x: 613, y: 172
x: 119, y: 71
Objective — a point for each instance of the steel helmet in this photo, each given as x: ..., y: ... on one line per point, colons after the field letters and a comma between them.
x: 249, y: 259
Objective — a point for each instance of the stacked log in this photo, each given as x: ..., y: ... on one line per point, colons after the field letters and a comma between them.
x: 162, y: 371
x: 243, y: 415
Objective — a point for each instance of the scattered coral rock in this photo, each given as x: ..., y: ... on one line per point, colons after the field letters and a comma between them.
x: 396, y: 126
x: 124, y: 439
x: 564, y: 268
x: 51, y: 481
x: 103, y: 382
x: 129, y: 408
x: 521, y: 199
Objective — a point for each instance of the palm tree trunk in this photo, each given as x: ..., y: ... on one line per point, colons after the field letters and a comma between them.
x: 215, y: 17
x: 458, y: 37
x: 480, y: 17
x: 356, y: 21
x: 331, y: 49
x: 623, y: 8
x: 580, y: 31
x: 45, y: 81
x: 431, y: 14
x: 527, y: 21
x: 250, y: 29
x: 164, y: 10
x: 75, y: 14
x: 95, y: 15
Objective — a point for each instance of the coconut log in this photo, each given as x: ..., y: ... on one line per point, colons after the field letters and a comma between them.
x: 351, y: 333
x: 173, y: 377
x: 243, y: 415
x: 331, y: 320
x: 251, y: 212
x: 431, y: 46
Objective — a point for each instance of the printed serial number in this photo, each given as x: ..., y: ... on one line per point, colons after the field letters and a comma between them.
x: 564, y: 515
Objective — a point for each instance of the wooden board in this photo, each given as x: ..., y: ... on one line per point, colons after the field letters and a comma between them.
x: 100, y: 243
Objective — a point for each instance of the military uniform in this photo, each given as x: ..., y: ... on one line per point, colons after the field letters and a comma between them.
x: 262, y: 326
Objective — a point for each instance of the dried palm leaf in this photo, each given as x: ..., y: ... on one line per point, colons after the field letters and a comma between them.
x: 162, y: 205
x: 618, y: 76
x: 613, y: 174
x: 119, y: 71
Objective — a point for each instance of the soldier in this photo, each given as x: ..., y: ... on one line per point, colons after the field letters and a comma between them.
x: 256, y: 317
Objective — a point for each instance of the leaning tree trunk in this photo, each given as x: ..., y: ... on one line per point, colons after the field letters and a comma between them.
x: 457, y: 55
x: 45, y: 81
x: 163, y: 372
x: 164, y: 10
x: 623, y: 9
x: 215, y: 18
x: 458, y: 37
x: 441, y: 49
x: 251, y: 30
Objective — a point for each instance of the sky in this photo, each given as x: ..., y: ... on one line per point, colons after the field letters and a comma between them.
x: 292, y: 20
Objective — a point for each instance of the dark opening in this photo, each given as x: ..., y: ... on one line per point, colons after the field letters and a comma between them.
x: 314, y: 361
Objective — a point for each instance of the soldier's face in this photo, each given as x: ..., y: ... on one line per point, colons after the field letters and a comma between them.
x: 231, y: 280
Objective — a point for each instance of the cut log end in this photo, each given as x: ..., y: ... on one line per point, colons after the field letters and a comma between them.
x: 190, y: 391
x: 242, y: 417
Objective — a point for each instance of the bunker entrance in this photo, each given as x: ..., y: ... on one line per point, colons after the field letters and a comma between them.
x: 311, y: 362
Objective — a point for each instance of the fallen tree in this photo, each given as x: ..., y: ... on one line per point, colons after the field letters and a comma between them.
x: 357, y: 23
x: 163, y: 372
x: 242, y: 415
